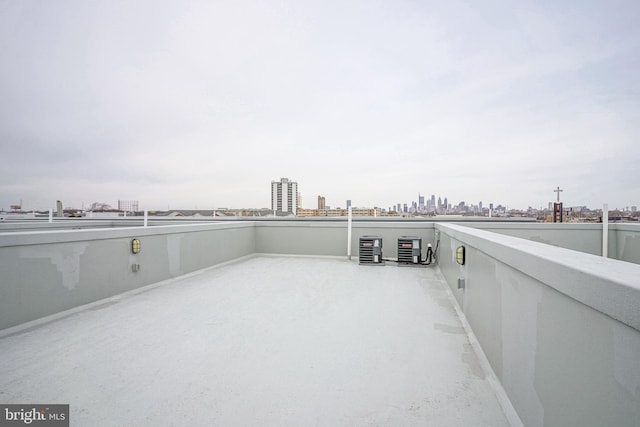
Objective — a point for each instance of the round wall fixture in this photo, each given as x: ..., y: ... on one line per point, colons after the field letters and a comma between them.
x: 135, y: 246
x: 460, y: 255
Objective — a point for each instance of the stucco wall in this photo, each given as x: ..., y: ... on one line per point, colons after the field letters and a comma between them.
x: 627, y: 242
x: 624, y: 238
x: 45, y: 273
x: 330, y: 238
x: 560, y: 329
x: 580, y: 237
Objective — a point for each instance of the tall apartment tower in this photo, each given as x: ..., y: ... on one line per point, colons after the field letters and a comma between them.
x: 284, y: 196
x: 321, y: 203
x: 128, y: 205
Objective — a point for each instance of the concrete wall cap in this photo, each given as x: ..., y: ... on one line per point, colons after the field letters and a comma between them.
x: 607, y: 285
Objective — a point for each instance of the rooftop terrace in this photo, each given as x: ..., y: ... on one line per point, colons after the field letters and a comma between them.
x: 269, y: 323
x: 263, y: 341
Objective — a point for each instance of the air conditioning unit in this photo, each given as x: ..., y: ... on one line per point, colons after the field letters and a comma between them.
x: 370, y: 250
x: 409, y: 250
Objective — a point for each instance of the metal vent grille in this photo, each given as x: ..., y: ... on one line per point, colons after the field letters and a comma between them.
x: 409, y: 250
x: 370, y: 250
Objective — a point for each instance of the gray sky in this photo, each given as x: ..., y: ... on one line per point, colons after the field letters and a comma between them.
x: 203, y: 104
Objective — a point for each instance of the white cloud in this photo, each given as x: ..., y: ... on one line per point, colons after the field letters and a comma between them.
x: 200, y: 103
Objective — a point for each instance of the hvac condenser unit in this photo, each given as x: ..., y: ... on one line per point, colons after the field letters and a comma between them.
x: 370, y: 250
x: 409, y: 250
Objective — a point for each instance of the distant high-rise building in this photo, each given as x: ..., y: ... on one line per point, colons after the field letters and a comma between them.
x: 420, y: 201
x: 284, y: 196
x: 405, y: 208
x: 446, y: 203
x: 128, y: 205
x: 348, y: 203
x: 480, y: 206
x: 321, y: 203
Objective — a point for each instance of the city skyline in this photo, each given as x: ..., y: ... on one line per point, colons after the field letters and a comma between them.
x: 442, y: 204
x: 196, y: 104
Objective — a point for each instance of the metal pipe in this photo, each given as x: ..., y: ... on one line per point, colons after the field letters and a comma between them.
x: 349, y: 234
x: 146, y: 218
x: 605, y: 230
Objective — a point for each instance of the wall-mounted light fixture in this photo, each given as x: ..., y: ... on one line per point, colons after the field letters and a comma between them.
x: 460, y: 255
x: 135, y: 246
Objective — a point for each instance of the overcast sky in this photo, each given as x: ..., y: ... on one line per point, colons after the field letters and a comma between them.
x: 193, y: 104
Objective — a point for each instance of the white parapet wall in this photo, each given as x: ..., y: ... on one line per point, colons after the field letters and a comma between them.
x: 327, y: 238
x: 46, y: 272
x: 626, y: 242
x: 560, y: 328
x: 623, y: 238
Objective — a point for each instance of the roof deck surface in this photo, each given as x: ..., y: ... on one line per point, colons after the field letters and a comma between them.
x: 264, y: 341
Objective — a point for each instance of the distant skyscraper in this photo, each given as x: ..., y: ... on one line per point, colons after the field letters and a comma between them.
x: 480, y: 205
x: 433, y: 203
x: 439, y: 203
x: 348, y: 203
x: 321, y: 203
x: 128, y: 205
x: 284, y: 196
x: 420, y: 200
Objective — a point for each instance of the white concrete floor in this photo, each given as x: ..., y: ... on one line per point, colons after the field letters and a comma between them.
x: 269, y: 341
